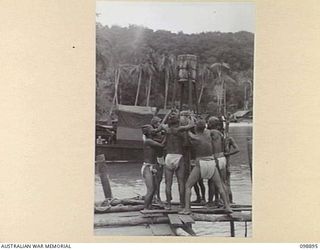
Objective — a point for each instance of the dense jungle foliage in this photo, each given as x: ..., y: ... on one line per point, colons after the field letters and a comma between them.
x: 137, y: 59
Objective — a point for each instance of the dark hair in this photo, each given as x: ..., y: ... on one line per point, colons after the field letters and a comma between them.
x: 213, y: 122
x: 200, y: 124
x: 146, y: 129
x: 155, y: 120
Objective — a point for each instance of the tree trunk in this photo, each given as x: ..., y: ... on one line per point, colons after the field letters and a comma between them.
x: 117, y: 84
x: 224, y: 99
x: 201, y: 92
x: 138, y: 89
x: 166, y: 89
x: 115, y: 98
x: 149, y: 90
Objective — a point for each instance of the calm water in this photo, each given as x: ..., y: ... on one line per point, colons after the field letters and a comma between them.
x: 126, y: 182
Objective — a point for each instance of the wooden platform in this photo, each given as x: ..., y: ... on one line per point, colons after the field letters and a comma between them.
x: 161, y: 222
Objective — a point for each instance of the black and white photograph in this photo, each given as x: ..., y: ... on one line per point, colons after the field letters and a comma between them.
x: 174, y: 119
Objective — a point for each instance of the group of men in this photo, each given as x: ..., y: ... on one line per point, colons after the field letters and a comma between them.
x: 193, y: 150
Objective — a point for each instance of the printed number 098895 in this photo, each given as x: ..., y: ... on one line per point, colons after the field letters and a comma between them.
x: 308, y: 245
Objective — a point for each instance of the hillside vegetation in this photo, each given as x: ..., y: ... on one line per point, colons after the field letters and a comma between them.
x: 138, y: 58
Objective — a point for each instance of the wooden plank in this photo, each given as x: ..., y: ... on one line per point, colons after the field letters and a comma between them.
x: 175, y: 220
x: 152, y: 215
x: 134, y: 221
x: 111, y: 209
x: 161, y: 230
x: 188, y: 228
x: 175, y: 203
x: 203, y: 210
x: 164, y: 211
x: 222, y: 218
x: 206, y: 210
x: 186, y: 218
x: 141, y: 230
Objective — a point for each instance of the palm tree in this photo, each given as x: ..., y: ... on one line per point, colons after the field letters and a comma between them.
x: 204, y: 77
x: 137, y: 69
x: 221, y: 69
x: 167, y: 66
x: 150, y: 72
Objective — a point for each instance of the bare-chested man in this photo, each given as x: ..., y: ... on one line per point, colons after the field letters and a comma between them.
x: 150, y: 167
x: 230, y: 148
x: 189, y: 158
x: 174, y: 160
x: 158, y: 136
x: 205, y: 165
x: 218, y: 152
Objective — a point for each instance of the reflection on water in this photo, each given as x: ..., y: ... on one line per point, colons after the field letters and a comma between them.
x: 126, y: 182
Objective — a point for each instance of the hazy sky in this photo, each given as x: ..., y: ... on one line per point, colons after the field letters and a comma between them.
x: 179, y: 16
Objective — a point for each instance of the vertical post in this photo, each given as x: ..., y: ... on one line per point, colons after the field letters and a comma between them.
x: 245, y: 98
x: 174, y: 89
x: 190, y: 90
x: 232, y: 229
x: 245, y: 229
x: 101, y: 164
x: 249, y: 146
x: 181, y: 94
x: 195, y: 97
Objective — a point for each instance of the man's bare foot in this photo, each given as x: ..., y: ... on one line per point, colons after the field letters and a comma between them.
x: 203, y: 201
x: 185, y: 211
x: 218, y: 203
x: 198, y: 200
x: 228, y: 210
x: 210, y: 204
x: 167, y: 206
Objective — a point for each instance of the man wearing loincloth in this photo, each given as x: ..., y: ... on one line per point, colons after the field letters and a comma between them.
x: 189, y: 158
x: 158, y: 136
x: 150, y: 167
x: 230, y: 148
x: 217, y: 140
x: 205, y: 165
x: 174, y: 160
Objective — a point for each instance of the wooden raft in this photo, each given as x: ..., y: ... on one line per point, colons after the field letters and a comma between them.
x: 160, y: 222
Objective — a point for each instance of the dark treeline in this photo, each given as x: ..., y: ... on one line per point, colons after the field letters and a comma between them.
x: 142, y: 62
